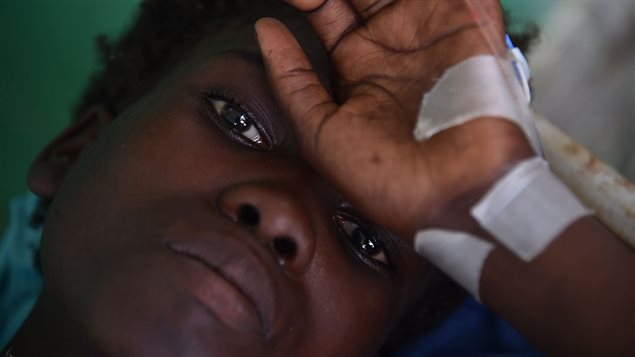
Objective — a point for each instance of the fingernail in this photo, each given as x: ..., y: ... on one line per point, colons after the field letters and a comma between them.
x: 259, y: 23
x: 262, y: 21
x: 255, y: 30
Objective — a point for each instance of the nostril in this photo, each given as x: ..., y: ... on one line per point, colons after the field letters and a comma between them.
x: 285, y: 248
x: 248, y: 214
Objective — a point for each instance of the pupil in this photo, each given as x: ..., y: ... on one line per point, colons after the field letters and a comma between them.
x: 367, y: 243
x: 238, y: 120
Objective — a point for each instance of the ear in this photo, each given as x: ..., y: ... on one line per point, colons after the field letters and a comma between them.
x: 50, y: 167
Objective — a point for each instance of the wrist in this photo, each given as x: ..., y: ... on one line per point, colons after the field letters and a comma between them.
x: 483, y: 151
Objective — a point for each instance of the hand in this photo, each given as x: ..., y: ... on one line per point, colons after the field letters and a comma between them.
x: 386, y: 54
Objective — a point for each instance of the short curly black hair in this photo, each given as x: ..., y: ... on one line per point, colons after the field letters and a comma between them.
x: 162, y: 32
x: 161, y: 35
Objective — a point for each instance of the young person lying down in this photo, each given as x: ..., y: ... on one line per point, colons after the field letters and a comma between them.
x: 225, y: 191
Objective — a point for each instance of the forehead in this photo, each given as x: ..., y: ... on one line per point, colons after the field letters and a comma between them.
x: 236, y: 39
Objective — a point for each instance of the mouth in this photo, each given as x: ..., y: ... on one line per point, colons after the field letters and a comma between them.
x: 235, y: 283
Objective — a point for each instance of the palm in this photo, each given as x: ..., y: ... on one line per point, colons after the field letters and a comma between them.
x: 397, y: 53
x: 365, y: 144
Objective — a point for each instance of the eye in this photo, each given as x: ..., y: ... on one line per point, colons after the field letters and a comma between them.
x: 364, y: 241
x: 239, y: 121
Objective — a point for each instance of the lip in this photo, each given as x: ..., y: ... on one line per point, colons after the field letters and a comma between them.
x: 244, y: 272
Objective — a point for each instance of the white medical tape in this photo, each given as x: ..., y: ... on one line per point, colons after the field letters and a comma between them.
x: 458, y: 254
x: 480, y: 86
x: 528, y: 208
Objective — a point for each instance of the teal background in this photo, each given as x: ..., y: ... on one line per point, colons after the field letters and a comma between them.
x: 47, y: 53
x: 525, y: 11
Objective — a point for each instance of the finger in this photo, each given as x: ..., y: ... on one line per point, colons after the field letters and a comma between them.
x: 367, y: 8
x: 331, y: 19
x: 306, y: 5
x: 297, y: 87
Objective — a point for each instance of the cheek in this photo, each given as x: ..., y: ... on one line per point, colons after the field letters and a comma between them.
x: 352, y: 308
x: 164, y: 157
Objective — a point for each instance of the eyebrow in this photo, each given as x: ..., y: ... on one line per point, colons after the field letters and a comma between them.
x: 249, y: 56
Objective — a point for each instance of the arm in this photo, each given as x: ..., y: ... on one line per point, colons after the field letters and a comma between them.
x: 576, y: 298
x: 581, y: 281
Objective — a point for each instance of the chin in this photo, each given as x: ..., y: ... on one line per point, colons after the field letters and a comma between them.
x: 152, y: 312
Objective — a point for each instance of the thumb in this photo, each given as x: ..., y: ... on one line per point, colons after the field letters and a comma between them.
x: 298, y: 88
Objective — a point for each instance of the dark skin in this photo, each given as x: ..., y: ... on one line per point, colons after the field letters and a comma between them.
x: 159, y: 177
x: 577, y: 295
x: 151, y: 247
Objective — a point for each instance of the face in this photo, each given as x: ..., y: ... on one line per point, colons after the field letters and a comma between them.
x: 193, y: 226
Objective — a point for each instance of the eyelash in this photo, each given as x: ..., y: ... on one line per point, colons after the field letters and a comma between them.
x: 350, y: 228
x: 244, y: 128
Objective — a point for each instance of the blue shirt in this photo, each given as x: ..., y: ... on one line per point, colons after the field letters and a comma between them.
x: 20, y: 277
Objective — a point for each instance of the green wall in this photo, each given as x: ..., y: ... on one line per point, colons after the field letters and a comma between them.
x: 524, y: 11
x: 47, y: 52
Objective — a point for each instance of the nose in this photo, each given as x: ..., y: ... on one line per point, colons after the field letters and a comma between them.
x: 277, y: 216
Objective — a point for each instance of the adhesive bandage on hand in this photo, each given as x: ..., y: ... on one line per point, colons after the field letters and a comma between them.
x: 460, y: 255
x: 528, y: 208
x: 480, y: 86
x: 525, y: 211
